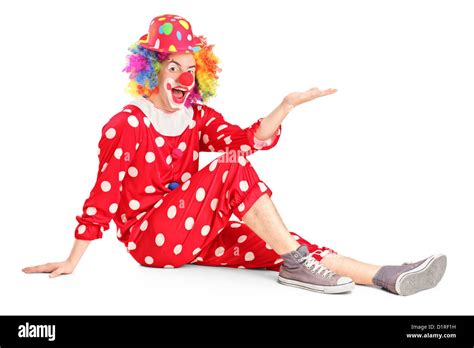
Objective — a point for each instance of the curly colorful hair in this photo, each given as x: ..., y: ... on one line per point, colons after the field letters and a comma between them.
x: 143, y: 66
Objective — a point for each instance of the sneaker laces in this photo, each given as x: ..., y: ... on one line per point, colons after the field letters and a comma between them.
x: 316, y: 267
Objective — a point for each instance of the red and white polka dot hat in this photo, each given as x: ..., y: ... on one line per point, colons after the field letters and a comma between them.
x: 170, y: 34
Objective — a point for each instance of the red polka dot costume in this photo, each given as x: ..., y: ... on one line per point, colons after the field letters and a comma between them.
x: 168, y: 213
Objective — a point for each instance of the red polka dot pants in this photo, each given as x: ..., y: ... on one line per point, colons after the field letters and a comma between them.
x: 191, y: 223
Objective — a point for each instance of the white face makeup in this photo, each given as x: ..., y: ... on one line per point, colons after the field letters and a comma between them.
x: 177, y: 93
x: 177, y: 79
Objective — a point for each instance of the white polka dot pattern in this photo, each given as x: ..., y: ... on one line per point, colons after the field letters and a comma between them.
x: 150, y: 157
x: 132, y: 121
x: 224, y: 176
x: 113, y: 208
x: 189, y: 223
x: 159, y: 141
x: 171, y: 225
x: 213, y: 165
x: 219, y: 251
x: 200, y: 194
x: 214, y: 204
x: 242, y: 239
x: 149, y: 260
x: 185, y: 177
x: 177, y: 249
x: 160, y: 239
x: 118, y: 153
x: 205, y: 230
x: 221, y: 127
x: 133, y: 172
x: 249, y: 256
x: 144, y: 225
x: 242, y: 161
x: 134, y: 204
x: 110, y: 133
x: 105, y: 186
x: 171, y: 212
x: 182, y: 146
x: 185, y: 185
x: 150, y: 189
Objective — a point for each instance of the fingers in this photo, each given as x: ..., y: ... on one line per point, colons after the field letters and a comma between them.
x: 46, y: 268
x: 329, y: 91
x: 56, y: 273
x: 316, y: 92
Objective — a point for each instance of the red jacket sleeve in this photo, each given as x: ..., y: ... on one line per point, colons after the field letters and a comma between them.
x: 117, y: 148
x: 219, y: 135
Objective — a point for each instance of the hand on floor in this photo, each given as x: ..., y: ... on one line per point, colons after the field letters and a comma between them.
x: 55, y: 269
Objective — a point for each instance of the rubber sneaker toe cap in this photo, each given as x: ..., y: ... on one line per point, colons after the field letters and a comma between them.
x: 344, y: 280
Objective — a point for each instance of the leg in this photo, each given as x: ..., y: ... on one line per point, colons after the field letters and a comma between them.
x: 186, y: 220
x: 406, y: 279
x: 360, y: 272
x: 265, y: 221
x: 238, y: 246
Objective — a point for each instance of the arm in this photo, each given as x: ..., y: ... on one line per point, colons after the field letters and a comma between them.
x: 270, y: 124
x: 65, y: 267
x: 216, y: 134
x: 117, y: 149
x: 117, y: 146
x: 219, y: 135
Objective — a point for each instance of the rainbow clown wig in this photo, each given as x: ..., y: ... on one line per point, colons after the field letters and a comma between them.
x: 144, y: 64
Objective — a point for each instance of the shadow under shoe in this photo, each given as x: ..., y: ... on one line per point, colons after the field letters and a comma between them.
x: 300, y: 269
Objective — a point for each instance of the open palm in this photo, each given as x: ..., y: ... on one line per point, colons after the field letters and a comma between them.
x: 297, y: 98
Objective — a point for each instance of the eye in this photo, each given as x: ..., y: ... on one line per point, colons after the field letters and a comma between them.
x: 192, y: 71
x: 173, y: 67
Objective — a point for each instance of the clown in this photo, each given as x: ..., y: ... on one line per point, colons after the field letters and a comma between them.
x: 169, y: 213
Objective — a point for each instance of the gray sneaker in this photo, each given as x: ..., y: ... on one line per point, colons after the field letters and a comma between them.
x: 302, y: 270
x: 410, y: 278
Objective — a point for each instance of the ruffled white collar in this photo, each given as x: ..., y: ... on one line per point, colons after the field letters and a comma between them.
x: 171, y: 124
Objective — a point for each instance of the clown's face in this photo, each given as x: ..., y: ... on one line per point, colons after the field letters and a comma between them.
x: 176, y: 80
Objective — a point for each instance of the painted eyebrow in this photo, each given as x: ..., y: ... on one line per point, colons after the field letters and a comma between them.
x: 173, y: 61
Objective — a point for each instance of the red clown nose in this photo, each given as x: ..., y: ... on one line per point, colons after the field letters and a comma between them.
x: 186, y: 79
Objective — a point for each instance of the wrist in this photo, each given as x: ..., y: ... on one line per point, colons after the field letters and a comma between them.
x: 286, y: 106
x: 72, y: 262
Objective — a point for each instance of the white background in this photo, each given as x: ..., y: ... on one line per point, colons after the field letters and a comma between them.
x: 381, y: 171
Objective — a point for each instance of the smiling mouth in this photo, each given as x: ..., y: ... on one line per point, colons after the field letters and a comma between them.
x: 178, y: 94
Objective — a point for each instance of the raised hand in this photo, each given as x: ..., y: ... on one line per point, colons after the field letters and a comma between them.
x: 297, y: 98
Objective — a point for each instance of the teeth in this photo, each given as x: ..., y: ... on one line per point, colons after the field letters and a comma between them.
x: 180, y: 89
